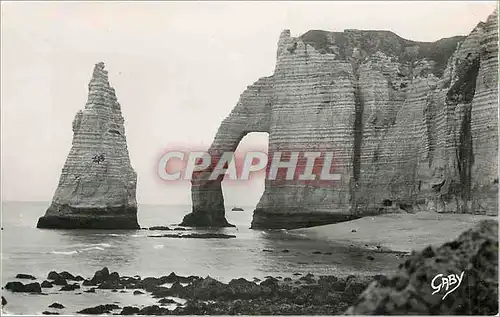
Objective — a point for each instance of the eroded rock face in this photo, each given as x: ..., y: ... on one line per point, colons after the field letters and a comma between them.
x: 410, y: 292
x: 412, y: 125
x: 97, y: 185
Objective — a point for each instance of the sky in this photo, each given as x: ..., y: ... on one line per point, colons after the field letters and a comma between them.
x: 178, y: 69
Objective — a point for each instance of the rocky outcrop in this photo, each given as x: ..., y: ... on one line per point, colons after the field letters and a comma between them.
x: 19, y: 287
x: 410, y: 291
x: 97, y: 185
x: 411, y: 124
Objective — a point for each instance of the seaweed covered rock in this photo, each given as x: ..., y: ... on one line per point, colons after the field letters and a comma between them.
x: 418, y: 287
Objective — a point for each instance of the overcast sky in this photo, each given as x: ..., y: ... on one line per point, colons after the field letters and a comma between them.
x: 178, y: 69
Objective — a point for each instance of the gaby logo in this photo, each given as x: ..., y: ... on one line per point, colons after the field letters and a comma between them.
x: 441, y: 282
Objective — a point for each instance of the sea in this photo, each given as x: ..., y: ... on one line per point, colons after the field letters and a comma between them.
x: 252, y: 254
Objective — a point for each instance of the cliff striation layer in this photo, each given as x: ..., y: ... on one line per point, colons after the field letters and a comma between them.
x: 97, y: 185
x: 410, y: 292
x: 412, y: 125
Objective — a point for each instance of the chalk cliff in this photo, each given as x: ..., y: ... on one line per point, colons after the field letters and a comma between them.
x: 413, y: 125
x: 97, y: 185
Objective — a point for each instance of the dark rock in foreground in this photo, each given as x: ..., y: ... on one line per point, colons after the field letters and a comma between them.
x: 409, y: 291
x: 129, y: 310
x: 56, y: 305
x: 46, y: 284
x: 25, y: 276
x: 166, y: 301
x: 197, y: 236
x: 70, y: 287
x: 98, y: 310
x: 4, y: 301
x: 57, y: 278
x: 19, y: 287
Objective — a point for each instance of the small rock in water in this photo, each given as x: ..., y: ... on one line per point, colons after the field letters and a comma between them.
x: 114, y: 290
x: 138, y: 293
x: 56, y: 305
x: 370, y: 257
x: 328, y: 253
x: 67, y: 276
x: 114, y: 277
x: 49, y: 313
x: 167, y: 301
x: 99, y: 310
x: 286, y: 251
x: 353, y: 230
x: 129, y: 310
x: 122, y: 291
x: 266, y: 250
x: 153, y: 310
x: 25, y: 276
x: 317, y: 252
x: 53, y: 275
x: 297, y: 274
x: 70, y: 287
x: 100, y: 276
x: 19, y: 287
x: 89, y: 283
x: 46, y: 284
x: 59, y: 281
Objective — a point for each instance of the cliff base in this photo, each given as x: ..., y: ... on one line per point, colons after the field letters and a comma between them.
x: 67, y: 217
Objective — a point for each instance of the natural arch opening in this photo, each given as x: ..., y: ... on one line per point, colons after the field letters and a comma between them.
x: 245, y: 194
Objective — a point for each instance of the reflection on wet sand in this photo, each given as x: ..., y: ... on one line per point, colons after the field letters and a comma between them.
x: 298, y: 254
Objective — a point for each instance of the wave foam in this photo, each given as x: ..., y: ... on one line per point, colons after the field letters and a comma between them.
x: 88, y: 247
x: 91, y: 248
x: 64, y: 252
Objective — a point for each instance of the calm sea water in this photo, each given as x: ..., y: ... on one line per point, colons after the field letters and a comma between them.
x: 26, y: 249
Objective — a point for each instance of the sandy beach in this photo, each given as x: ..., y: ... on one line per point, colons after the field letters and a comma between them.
x: 396, y: 232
